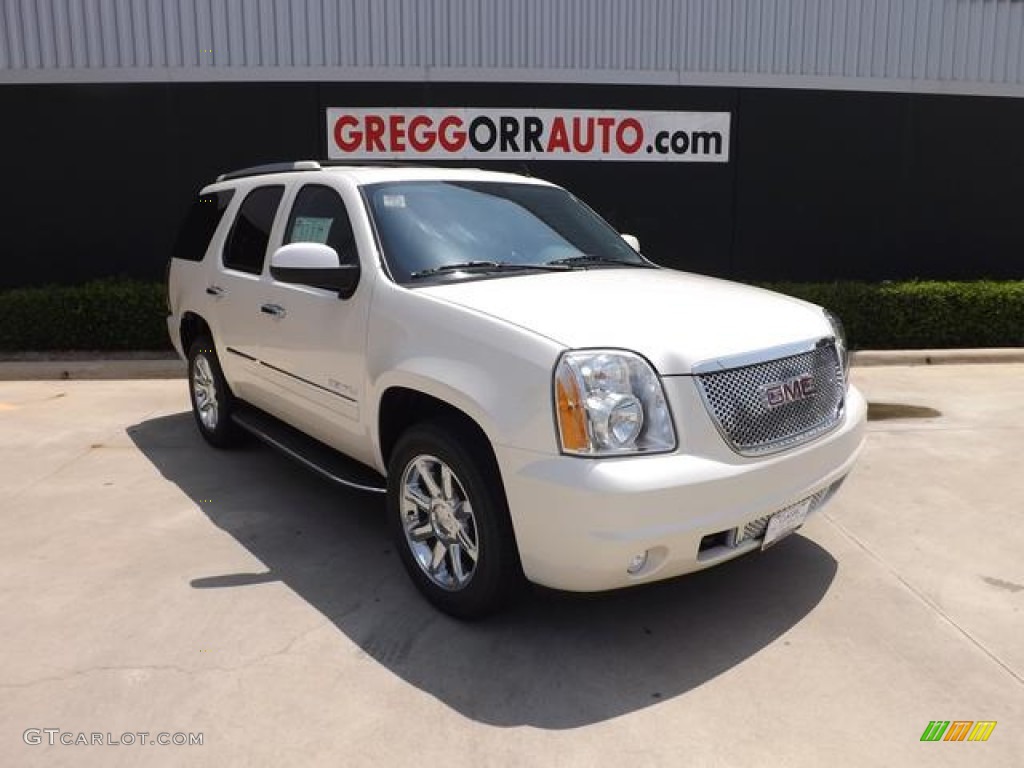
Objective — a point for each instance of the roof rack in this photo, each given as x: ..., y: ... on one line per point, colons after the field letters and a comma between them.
x: 262, y: 170
x: 319, y: 165
x: 410, y: 162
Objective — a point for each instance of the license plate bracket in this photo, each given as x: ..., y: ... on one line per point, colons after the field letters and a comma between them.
x: 785, y: 522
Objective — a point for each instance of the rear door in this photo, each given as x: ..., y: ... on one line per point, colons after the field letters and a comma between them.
x: 241, y: 292
x: 187, y: 269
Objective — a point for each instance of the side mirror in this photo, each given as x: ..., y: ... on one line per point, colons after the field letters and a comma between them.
x: 632, y: 241
x: 316, y: 265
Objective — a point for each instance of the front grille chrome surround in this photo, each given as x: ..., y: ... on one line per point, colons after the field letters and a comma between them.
x: 733, y: 391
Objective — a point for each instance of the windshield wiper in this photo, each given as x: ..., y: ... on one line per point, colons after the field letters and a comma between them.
x: 489, y: 266
x: 587, y: 258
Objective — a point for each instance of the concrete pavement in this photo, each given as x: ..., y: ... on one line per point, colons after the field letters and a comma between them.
x: 149, y: 583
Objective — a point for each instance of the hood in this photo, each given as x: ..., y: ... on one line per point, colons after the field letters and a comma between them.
x: 674, y: 319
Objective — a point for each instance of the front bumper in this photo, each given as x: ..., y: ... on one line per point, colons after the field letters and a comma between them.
x: 578, y: 522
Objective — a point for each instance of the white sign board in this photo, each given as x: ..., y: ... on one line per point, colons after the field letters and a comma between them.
x: 471, y: 133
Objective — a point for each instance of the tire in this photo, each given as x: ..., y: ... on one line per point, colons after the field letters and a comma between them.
x: 212, y: 401
x: 462, y: 557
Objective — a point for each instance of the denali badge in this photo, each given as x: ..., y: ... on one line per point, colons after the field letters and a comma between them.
x: 789, y: 391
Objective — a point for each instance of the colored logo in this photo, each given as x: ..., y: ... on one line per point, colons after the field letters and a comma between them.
x: 958, y: 730
x: 789, y: 391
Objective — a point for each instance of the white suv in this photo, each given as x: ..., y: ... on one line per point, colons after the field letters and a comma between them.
x: 534, y: 397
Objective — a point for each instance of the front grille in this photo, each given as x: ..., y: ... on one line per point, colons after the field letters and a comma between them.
x: 737, y: 401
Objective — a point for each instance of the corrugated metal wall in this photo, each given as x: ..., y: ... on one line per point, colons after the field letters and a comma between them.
x: 965, y: 46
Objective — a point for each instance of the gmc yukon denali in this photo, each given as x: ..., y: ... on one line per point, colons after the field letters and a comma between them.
x: 534, y: 398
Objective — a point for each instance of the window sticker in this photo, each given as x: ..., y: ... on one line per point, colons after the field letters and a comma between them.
x: 393, y: 201
x: 311, y: 229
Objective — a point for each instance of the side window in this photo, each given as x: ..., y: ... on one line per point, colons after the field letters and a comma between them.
x: 246, y: 247
x: 319, y: 216
x: 199, y: 225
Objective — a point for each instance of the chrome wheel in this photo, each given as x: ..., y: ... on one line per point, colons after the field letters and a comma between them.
x: 205, y: 390
x: 438, y: 521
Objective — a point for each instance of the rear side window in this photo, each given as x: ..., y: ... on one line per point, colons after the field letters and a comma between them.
x: 199, y: 225
x: 246, y: 247
x: 319, y: 216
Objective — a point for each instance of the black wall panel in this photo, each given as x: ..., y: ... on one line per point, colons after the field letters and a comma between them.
x: 821, y: 185
x: 965, y: 184
x: 79, y: 198
x: 821, y: 191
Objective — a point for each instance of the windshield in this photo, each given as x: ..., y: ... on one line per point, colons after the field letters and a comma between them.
x: 489, y: 227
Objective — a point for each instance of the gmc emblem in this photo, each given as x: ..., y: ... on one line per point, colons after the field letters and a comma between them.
x: 789, y: 391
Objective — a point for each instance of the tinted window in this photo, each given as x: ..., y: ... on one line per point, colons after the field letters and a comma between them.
x: 319, y: 216
x: 200, y: 223
x: 247, y: 243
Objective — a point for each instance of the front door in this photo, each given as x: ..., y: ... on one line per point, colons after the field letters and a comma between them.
x: 316, y: 346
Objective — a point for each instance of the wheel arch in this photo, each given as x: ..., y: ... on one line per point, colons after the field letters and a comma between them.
x: 401, y: 407
x: 192, y: 327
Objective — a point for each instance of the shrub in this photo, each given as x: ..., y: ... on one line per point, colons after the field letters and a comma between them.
x: 104, y: 314
x: 921, y: 315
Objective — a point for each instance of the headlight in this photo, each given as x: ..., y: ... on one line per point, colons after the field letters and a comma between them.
x: 844, y: 351
x: 609, y: 402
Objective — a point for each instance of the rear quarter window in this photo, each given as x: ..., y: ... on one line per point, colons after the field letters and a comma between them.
x: 200, y: 223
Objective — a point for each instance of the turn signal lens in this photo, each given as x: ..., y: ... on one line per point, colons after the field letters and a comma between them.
x: 572, y: 417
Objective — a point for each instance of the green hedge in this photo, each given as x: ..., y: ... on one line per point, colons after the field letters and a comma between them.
x: 121, y: 314
x: 105, y: 314
x: 922, y: 315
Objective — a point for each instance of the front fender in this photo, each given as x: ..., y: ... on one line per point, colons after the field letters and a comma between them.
x: 496, y: 373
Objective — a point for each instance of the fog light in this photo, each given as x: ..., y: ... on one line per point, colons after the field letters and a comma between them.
x: 637, y: 563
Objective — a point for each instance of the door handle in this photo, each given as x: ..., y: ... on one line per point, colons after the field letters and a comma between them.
x: 215, y: 290
x: 273, y: 309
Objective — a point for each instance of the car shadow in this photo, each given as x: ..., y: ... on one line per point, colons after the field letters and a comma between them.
x: 552, y: 661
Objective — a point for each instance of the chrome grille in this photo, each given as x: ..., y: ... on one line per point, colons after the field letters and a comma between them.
x: 735, y: 398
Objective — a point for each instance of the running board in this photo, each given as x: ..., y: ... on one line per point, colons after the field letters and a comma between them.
x: 309, y: 452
